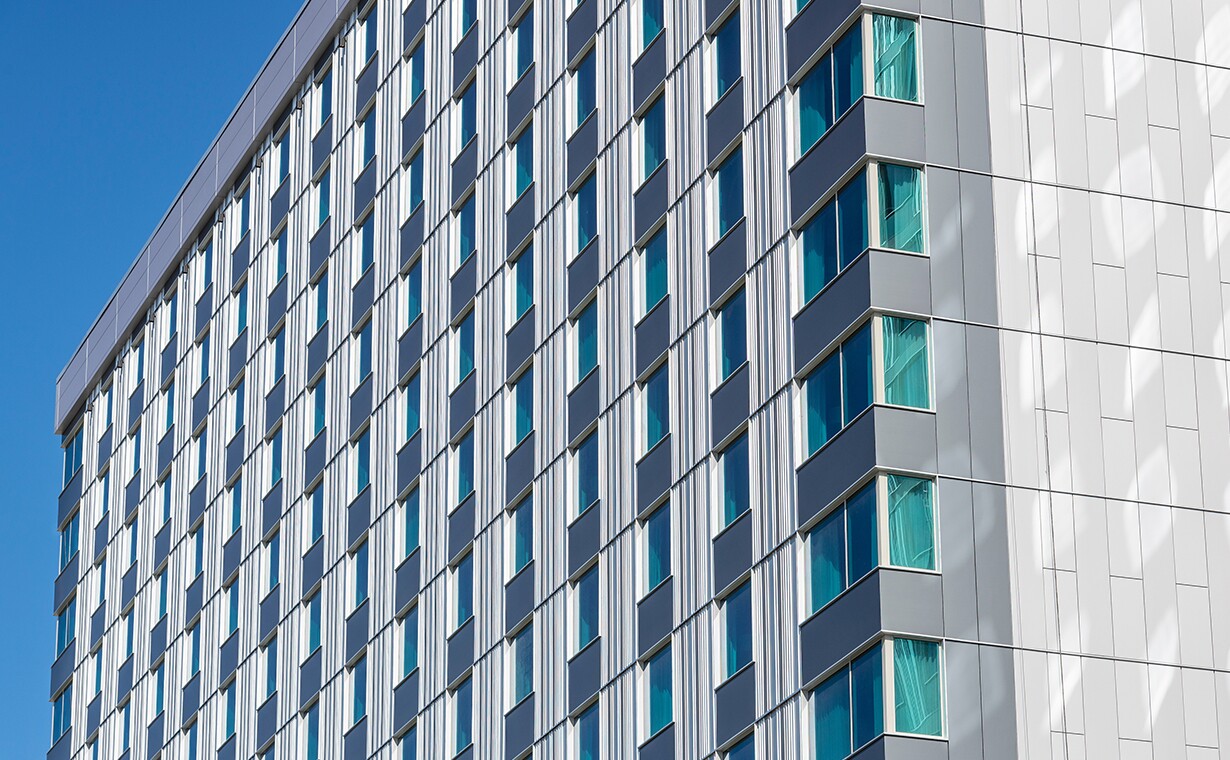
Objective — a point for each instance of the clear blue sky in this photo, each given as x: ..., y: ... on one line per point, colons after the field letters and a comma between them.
x: 109, y: 106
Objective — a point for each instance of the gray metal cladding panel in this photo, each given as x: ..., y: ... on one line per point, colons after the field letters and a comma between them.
x: 461, y: 528
x: 411, y: 237
x: 896, y: 129
x: 98, y: 624
x: 158, y: 641
x: 660, y: 747
x: 410, y: 349
x: 357, y: 630
x: 464, y: 171
x: 235, y: 455
x: 519, y: 723
x: 279, y: 204
x: 519, y: 222
x: 170, y: 355
x: 582, y: 25
x: 62, y: 668
x: 360, y: 405
x: 309, y: 679
x: 824, y: 164
x: 514, y: 8
x: 735, y: 704
x: 461, y: 405
x: 104, y: 447
x: 204, y: 310
x: 465, y: 57
x: 405, y: 701
x: 582, y: 148
x: 460, y: 651
x: 200, y: 406
x: 413, y: 127
x: 314, y: 457
x: 833, y: 469
x: 237, y: 357
x: 409, y: 463
x: 322, y: 144
x: 846, y: 623
x: 318, y: 352
x: 102, y: 534
x: 652, y: 336
x: 267, y: 721
x: 912, y: 602
x: 732, y: 552
x: 365, y: 88
x: 408, y: 580
x: 166, y: 451
x: 93, y: 716
x: 519, y: 469
x: 194, y: 597
x: 275, y: 404
x: 124, y: 679
x: 584, y: 538
x: 271, y: 613
x: 583, y: 406
x: 651, y: 200
x: 653, y: 475
x: 584, y: 674
x: 227, y: 751
x: 196, y: 502
x: 69, y: 497
x: 63, y: 748
x: 132, y: 496
x: 154, y: 736
x: 583, y: 275
x: 462, y: 286
x: 365, y: 189
x: 728, y: 261
x: 66, y: 581
x: 519, y: 597
x: 136, y: 405
x: 649, y: 72
x: 655, y: 616
x: 846, y: 299
x: 729, y: 406
x: 714, y: 9
x: 354, y: 745
x: 413, y: 20
x: 228, y: 660
x: 232, y: 555
x: 320, y: 246
x: 313, y: 566
x: 271, y: 509
x: 724, y: 122
x: 162, y: 545
x: 520, y: 342
x: 814, y: 25
x: 901, y: 282
x: 905, y: 439
x: 521, y: 100
x: 910, y: 748
x: 190, y: 700
x: 359, y: 517
x: 239, y: 259
x: 277, y: 305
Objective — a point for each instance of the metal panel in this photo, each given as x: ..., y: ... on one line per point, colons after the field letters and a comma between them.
x: 267, y: 721
x: 413, y: 127
x: 239, y: 259
x: 229, y: 748
x: 190, y: 701
x: 464, y: 171
x: 583, y: 406
x: 66, y: 581
x: 409, y: 349
x: 102, y: 534
x: 232, y: 554
x: 408, y: 580
x: 584, y: 538
x: 409, y: 463
x: 170, y: 356
x: 461, y: 406
x: 465, y: 57
x: 661, y: 746
x: 583, y: 275
x: 271, y: 509
x: 319, y: 247
x: 357, y: 631
x: 521, y: 99
x: 519, y: 469
x: 124, y: 679
x: 358, y: 517
x: 653, y: 336
x: 655, y: 616
x: 519, y: 222
x: 314, y: 458
x: 204, y: 310
x: 411, y: 237
x: 364, y: 190
x: 405, y: 701
x: 69, y: 498
x: 369, y: 80
x: 360, y: 405
x: 735, y: 704
x: 811, y: 28
x: 582, y: 150
x: 275, y: 405
x: 136, y: 405
x: 237, y: 357
x: 279, y: 204
x: 727, y: 262
x: 461, y: 528
x: 846, y: 299
x: 309, y: 679
x: 354, y: 745
x: 460, y: 652
x: 322, y: 144
x: 649, y: 72
x: 313, y: 566
x: 104, y: 448
x: 651, y: 201
x: 162, y: 546
x: 235, y: 455
x: 158, y: 642
x: 166, y: 450
x: 519, y: 598
x: 271, y: 613
x: 154, y: 735
x: 413, y: 21
x: 732, y: 552
x: 653, y: 475
x: 519, y: 723
x: 197, y: 502
x: 832, y: 634
x: 93, y: 715
x: 462, y: 286
x: 724, y: 122
x: 200, y: 406
x: 277, y: 306
x: 317, y: 353
x: 582, y: 25
x: 63, y: 748
x: 194, y: 599
x: 98, y: 624
x: 714, y: 10
x: 584, y: 674
x: 520, y: 342
x: 729, y: 406
x: 132, y: 496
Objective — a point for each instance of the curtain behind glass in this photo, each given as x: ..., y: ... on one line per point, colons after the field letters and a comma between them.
x: 867, y: 697
x: 658, y: 540
x: 916, y: 684
x: 901, y: 222
x: 660, y: 700
x: 852, y: 219
x: 848, y: 69
x: 733, y: 322
x: 730, y: 192
x: 823, y: 387
x: 828, y: 560
x: 861, y: 533
x: 738, y: 613
x: 736, y: 490
x: 905, y: 362
x: 655, y: 270
x: 895, y: 73
x: 856, y: 372
x: 911, y: 526
x: 819, y: 242
x: 657, y: 407
x: 831, y: 702
x: 815, y: 103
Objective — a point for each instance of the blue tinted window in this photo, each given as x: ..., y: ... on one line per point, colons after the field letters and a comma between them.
x: 465, y: 347
x: 588, y: 734
x: 413, y: 403
x: 586, y: 202
x: 523, y: 152
x: 410, y: 641
x: 831, y: 702
x: 848, y: 69
x: 727, y: 54
x: 852, y: 219
x: 856, y: 372
x: 744, y: 750
x: 525, y: 42
x: 465, y: 467
x: 658, y: 546
x: 815, y: 103
x: 732, y: 324
x: 730, y: 192
x: 823, y: 390
x: 652, y: 19
x: 661, y: 691
x: 657, y: 406
x: 523, y: 664
x: 523, y: 279
x: 411, y: 537
x: 584, y: 83
x: 467, y: 230
x: 587, y: 340
x: 414, y: 190
x: 587, y: 472
x: 523, y: 406
x: 463, y: 716
x: 469, y: 116
x: 587, y: 608
x: 736, y: 489
x: 653, y: 136
x: 738, y: 614
x: 655, y: 269
x: 523, y: 534
x: 414, y: 291
x: 465, y: 590
x: 867, y: 697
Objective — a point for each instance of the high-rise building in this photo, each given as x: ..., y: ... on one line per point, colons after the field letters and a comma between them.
x: 671, y: 379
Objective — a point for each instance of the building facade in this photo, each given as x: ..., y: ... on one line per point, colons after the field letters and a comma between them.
x: 668, y: 379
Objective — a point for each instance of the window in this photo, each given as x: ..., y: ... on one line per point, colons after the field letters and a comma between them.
x: 168, y: 402
x: 584, y: 88
x: 129, y: 633
x: 522, y: 520
x: 589, y: 733
x: 653, y: 268
x: 894, y: 62
x: 586, y: 594
x: 367, y: 138
x: 737, y: 622
x: 270, y: 656
x: 657, y: 535
x: 585, y: 211
x: 465, y: 347
x: 585, y: 330
x: 652, y: 20
x: 414, y: 182
x: 98, y: 671
x: 918, y: 703
x: 661, y: 693
x: 585, y: 462
x: 139, y: 350
x: 744, y: 750
x: 126, y: 725
x: 911, y: 522
x: 523, y: 161
x: 241, y: 309
x: 191, y: 740
x: 847, y: 71
x: 322, y: 199
x: 468, y: 16
x: 236, y: 495
x: 62, y: 714
x: 362, y: 461
x: 237, y: 404
x: 467, y: 118
x: 358, y: 691
x: 232, y: 606
x: 817, y: 88
x: 522, y: 646
x: 465, y: 466
x: 834, y: 237
x: 657, y: 404
x: 319, y: 405
x: 732, y: 335
x: 415, y: 73
x: 466, y: 231
x: 207, y: 264
x: 204, y: 365
x: 311, y: 732
x: 522, y: 398
x: 194, y: 650
x: 839, y: 389
x: 133, y: 529
x: 66, y: 626
x: 727, y: 56
x: 106, y: 493
x: 523, y: 283
x: 320, y: 295
x: 413, y: 397
x: 245, y: 216
x: 198, y: 549
x: 172, y: 315
x: 282, y: 150
x: 279, y: 260
x: 463, y: 588
x: 324, y: 88
x: 370, y: 37
x: 273, y: 561
x: 136, y: 452
x: 462, y: 717
x: 735, y: 488
x: 228, y: 693
x: 363, y: 353
x: 901, y: 201
x: 102, y: 582
x: 161, y: 580
x: 905, y: 362
x: 410, y: 642
x: 69, y: 540
x: 653, y: 136
x: 275, y: 458
x: 414, y: 291
x: 523, y: 44
x: 359, y: 575
x: 367, y: 244
x: 109, y: 404
x: 313, y: 627
x: 317, y: 499
x: 728, y: 194
x: 409, y: 744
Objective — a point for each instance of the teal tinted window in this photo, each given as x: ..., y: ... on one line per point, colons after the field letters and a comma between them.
x: 916, y: 687
x: 823, y: 400
x: 367, y: 244
x: 414, y: 189
x: 365, y: 350
x: 465, y: 347
x: 414, y: 291
x: 736, y: 488
x: 730, y: 192
x: 901, y: 207
x: 367, y: 129
x: 867, y: 697
x: 856, y: 373
x: 469, y: 14
x: 587, y: 473
x: 411, y: 526
x: 465, y: 590
x: 661, y: 692
x: 312, y: 730
x: 523, y: 534
x: 524, y: 35
x: 727, y: 55
x: 417, y: 58
x: 523, y: 156
x: 658, y: 547
x: 654, y: 261
x: 319, y: 407
x: 911, y: 523
x: 831, y: 702
x: 410, y: 744
x: 852, y: 219
x: 818, y: 241
x: 653, y: 136
x: 360, y: 574
x: 895, y: 61
x: 657, y: 406
x: 588, y: 734
x: 462, y: 716
x: 358, y: 691
x: 848, y: 69
x: 737, y: 611
x: 523, y: 664
x: 827, y: 543
x: 587, y: 608
x: 586, y: 203
x: 322, y: 199
x: 413, y: 403
x: 73, y: 450
x: 584, y: 88
x: 652, y: 19
x: 815, y: 103
x: 523, y: 406
x: 732, y: 326
x: 861, y: 533
x: 523, y: 280
x: 410, y: 641
x: 314, y: 623
x: 467, y: 231
x: 465, y: 467
x: 905, y: 362
x: 370, y: 38
x: 587, y: 340
x: 275, y: 458
x: 469, y: 116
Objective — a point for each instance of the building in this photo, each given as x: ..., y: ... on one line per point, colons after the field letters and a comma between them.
x: 654, y: 379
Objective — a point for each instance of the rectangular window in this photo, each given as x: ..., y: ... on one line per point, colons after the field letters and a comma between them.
x: 410, y: 642
x: 359, y: 575
x: 465, y: 347
x: 236, y: 497
x: 198, y: 562
x: 658, y: 677
x: 238, y: 405
x: 273, y: 561
x: 584, y: 88
x: 362, y: 461
x: 136, y: 452
x: 370, y: 37
x: 414, y: 291
x: 415, y: 73
x: 918, y: 702
x: 522, y: 519
x: 911, y: 522
x: 744, y: 750
x: 589, y: 733
x: 585, y: 462
x: 358, y: 691
x: 905, y: 362
x: 653, y: 137
x: 467, y: 231
x: 133, y: 532
x: 463, y: 590
x: 901, y: 207
x: 232, y: 608
x: 728, y: 194
x: 585, y: 212
x: 322, y: 199
x: 834, y: 237
x: 657, y: 404
x: 839, y: 389
x: 737, y: 621
x: 324, y: 89
x: 270, y: 656
x: 894, y: 60
x: 168, y: 401
x: 727, y: 56
x: 847, y: 71
x: 522, y: 647
x: 465, y: 466
x: 282, y: 151
x: 367, y: 244
x: 462, y: 717
x: 172, y: 315
x: 523, y: 283
x: 318, y: 393
x: 408, y: 747
x: 467, y: 117
x: 363, y: 353
x: 126, y: 726
x: 410, y: 522
x: 413, y: 400
x: 139, y: 350
x: 523, y: 44
x: 245, y: 217
x: 522, y: 397
x: 313, y: 627
x: 311, y: 732
x: 66, y: 626
x: 194, y: 650
x: 844, y: 547
x: 815, y: 94
x: 657, y: 533
x: 849, y: 707
x: 653, y: 268
x: 586, y: 594
x: 207, y: 265
x: 317, y: 500
x: 279, y: 260
x: 414, y: 182
x: 62, y: 714
x: 69, y: 540
x: 320, y: 296
x: 732, y: 335
x: 275, y: 458
x: 523, y: 161
x: 241, y: 309
x: 585, y: 330
x: 161, y: 580
x: 228, y: 693
x: 468, y: 16
x: 652, y: 20
x: 367, y: 138
x: 733, y: 471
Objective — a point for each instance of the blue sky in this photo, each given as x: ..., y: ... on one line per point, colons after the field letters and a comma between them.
x: 109, y: 107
